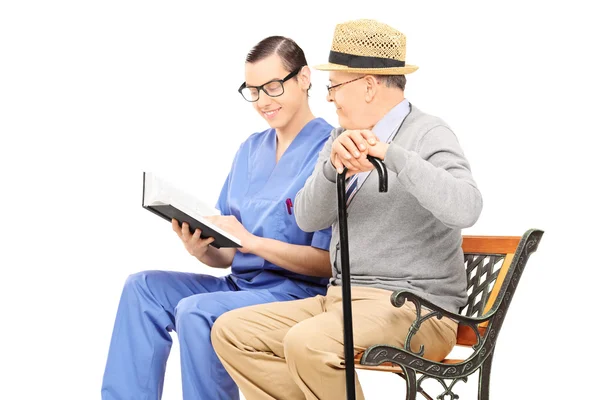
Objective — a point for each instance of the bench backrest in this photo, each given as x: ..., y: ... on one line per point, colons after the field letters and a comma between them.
x: 487, y: 262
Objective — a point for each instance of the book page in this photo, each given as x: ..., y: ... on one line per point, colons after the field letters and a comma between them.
x: 158, y: 191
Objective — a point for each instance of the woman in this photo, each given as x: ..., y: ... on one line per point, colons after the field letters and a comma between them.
x: 278, y: 261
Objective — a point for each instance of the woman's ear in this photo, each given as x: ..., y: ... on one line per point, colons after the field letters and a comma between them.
x: 304, y: 78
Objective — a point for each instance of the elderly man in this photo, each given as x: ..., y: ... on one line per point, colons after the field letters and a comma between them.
x: 408, y: 238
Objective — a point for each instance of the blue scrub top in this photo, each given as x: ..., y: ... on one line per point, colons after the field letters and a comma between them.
x: 260, y: 192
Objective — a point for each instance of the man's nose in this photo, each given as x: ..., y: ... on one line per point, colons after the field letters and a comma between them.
x: 329, y: 96
x: 263, y: 99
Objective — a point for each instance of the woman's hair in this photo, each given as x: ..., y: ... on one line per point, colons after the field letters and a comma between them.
x: 291, y: 55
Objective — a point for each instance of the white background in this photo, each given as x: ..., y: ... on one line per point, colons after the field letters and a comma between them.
x: 94, y: 93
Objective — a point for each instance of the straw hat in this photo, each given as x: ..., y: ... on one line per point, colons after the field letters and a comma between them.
x: 369, y: 47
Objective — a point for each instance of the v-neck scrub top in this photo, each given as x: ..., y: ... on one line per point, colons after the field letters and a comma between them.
x: 259, y: 192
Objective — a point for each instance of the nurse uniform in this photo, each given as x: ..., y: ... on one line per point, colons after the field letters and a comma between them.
x: 259, y: 192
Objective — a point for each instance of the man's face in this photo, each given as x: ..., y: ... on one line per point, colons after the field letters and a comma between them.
x: 280, y: 110
x: 349, y: 98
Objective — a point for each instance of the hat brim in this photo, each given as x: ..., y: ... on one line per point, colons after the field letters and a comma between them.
x: 371, y: 71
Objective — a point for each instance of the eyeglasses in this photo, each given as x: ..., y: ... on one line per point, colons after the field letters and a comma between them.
x: 272, y: 88
x: 330, y: 88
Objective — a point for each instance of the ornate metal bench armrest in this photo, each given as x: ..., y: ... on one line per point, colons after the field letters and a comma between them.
x: 398, y: 299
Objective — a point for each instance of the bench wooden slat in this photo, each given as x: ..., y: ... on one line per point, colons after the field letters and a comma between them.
x: 490, y: 244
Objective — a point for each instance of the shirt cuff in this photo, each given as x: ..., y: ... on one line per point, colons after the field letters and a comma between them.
x: 321, y: 239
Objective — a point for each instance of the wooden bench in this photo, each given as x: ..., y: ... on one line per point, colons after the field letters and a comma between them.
x: 494, y: 265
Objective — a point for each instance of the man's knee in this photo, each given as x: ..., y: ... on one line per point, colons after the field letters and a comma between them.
x: 206, y: 306
x: 187, y: 309
x: 301, y: 343
x: 223, y: 331
x: 144, y: 281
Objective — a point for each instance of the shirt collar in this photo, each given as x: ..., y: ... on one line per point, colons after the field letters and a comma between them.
x: 387, y: 126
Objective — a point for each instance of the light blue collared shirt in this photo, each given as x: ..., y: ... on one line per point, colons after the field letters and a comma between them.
x: 386, y: 129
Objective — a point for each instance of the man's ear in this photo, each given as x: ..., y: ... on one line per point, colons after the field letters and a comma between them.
x: 304, y: 78
x: 371, y: 88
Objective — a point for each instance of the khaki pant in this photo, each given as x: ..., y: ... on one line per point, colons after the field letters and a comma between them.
x: 294, y: 349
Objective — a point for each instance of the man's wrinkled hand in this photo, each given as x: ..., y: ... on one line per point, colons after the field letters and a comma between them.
x: 351, y: 148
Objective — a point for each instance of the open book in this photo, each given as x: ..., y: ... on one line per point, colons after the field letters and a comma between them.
x: 169, y: 202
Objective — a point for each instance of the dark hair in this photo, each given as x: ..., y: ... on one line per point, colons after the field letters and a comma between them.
x: 292, y: 56
x: 395, y: 81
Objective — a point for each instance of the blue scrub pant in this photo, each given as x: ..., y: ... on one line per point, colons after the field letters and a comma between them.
x: 154, y: 303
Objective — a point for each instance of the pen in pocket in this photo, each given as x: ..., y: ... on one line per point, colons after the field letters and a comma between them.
x: 289, y: 205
